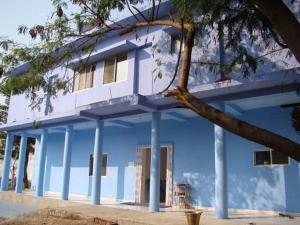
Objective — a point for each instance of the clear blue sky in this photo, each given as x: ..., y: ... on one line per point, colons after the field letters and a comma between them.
x: 17, y: 12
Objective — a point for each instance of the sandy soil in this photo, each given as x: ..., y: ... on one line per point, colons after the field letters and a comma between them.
x: 54, y: 217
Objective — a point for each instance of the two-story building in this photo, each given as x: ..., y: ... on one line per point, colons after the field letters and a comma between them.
x: 114, y: 138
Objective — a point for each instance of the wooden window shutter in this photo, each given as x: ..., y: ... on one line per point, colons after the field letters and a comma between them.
x: 82, y: 78
x: 109, y: 71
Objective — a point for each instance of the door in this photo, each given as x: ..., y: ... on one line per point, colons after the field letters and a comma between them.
x: 143, y: 175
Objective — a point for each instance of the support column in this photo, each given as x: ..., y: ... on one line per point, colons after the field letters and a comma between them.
x: 42, y: 158
x: 97, y: 164
x: 21, y: 164
x: 6, y: 162
x: 67, y: 162
x: 221, y: 208
x: 155, y: 163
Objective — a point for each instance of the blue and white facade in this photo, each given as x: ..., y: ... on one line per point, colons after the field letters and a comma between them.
x: 123, y: 118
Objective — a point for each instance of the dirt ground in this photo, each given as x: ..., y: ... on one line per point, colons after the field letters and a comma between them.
x: 54, y: 217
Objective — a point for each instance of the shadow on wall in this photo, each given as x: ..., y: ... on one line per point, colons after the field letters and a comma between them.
x: 201, y: 188
x: 265, y: 187
x: 205, y: 54
x: 165, y: 64
x: 264, y: 190
x: 292, y: 186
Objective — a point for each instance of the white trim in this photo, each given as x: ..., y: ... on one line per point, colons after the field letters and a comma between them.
x: 112, y: 83
x: 81, y: 90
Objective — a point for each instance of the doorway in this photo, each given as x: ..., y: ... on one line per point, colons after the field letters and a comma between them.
x: 143, y: 175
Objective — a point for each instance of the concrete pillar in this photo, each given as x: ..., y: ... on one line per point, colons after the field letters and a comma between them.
x: 41, y: 165
x: 6, y: 161
x: 21, y: 164
x: 67, y: 162
x: 97, y: 164
x: 155, y: 163
x: 221, y: 208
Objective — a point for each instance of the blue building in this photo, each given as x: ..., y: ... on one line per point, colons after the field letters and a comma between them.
x: 114, y: 138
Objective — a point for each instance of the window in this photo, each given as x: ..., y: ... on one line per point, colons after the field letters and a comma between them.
x: 279, y: 159
x: 104, y: 164
x: 115, y: 69
x: 270, y: 157
x: 175, y: 44
x: 91, y: 165
x: 262, y: 158
x: 83, y: 77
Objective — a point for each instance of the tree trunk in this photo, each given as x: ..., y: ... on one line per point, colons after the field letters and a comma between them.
x: 284, y: 21
x: 236, y: 126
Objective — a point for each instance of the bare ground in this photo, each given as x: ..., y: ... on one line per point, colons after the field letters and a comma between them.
x: 54, y: 217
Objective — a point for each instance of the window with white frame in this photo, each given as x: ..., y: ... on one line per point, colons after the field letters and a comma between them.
x: 270, y: 157
x: 104, y: 165
x: 115, y: 69
x: 83, y: 77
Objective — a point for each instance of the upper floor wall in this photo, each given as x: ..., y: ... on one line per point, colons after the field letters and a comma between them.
x: 140, y: 62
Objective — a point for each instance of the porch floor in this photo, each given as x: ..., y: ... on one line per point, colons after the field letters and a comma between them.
x: 127, y: 214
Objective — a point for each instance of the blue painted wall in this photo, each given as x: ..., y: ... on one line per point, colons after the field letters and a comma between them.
x: 270, y: 188
x: 249, y: 187
x: 150, y: 71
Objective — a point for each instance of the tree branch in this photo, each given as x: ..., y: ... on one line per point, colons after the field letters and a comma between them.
x: 280, y: 16
x: 236, y: 126
x: 177, y: 63
x: 130, y: 10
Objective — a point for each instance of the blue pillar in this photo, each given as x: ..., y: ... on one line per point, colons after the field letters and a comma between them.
x: 67, y: 162
x: 42, y: 158
x: 21, y: 164
x: 6, y: 162
x: 97, y: 164
x: 221, y: 208
x: 155, y: 163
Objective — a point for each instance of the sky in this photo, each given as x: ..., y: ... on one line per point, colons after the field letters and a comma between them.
x: 14, y: 13
x: 22, y: 12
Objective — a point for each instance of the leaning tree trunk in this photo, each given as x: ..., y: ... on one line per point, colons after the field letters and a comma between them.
x: 236, y: 126
x: 284, y: 21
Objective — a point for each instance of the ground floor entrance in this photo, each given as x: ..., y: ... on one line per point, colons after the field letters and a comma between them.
x: 185, y: 153
x: 143, y: 161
